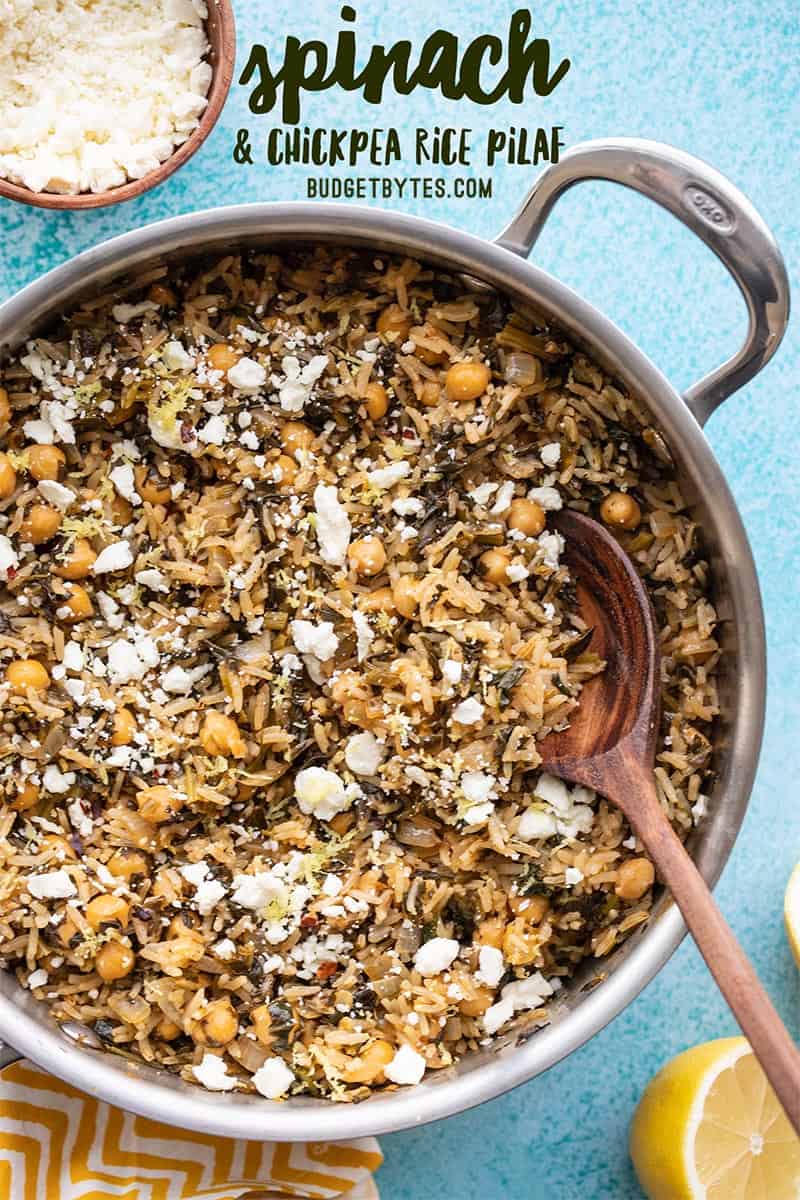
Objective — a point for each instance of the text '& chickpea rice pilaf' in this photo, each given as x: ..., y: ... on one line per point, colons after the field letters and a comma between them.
x: 281, y: 622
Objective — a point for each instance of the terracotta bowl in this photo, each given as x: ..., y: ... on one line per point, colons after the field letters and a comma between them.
x: 221, y: 32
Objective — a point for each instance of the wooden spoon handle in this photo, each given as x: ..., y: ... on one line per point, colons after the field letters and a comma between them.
x: 771, y: 1042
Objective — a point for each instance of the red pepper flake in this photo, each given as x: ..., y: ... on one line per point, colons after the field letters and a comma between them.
x: 11, y: 573
x: 187, y: 432
x: 326, y: 969
x: 309, y: 922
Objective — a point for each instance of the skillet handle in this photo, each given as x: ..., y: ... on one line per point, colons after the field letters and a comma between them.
x: 706, y: 202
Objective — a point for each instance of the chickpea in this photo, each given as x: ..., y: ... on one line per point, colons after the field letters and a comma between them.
x: 160, y: 803
x: 5, y: 407
x: 46, y: 462
x: 620, y: 511
x: 162, y: 295
x: 634, y: 878
x: 490, y: 932
x: 124, y: 727
x: 41, y: 524
x: 220, y: 735
x: 377, y: 401
x: 476, y: 1006
x: 27, y: 673
x: 370, y: 1063
x: 27, y: 798
x: 261, y: 1021
x: 121, y: 511
x: 219, y: 1025
x: 395, y: 322
x: 533, y: 908
x: 527, y: 516
x: 381, y: 600
x: 367, y: 556
x: 296, y: 436
x: 406, y: 594
x: 222, y: 357
x: 521, y: 943
x: 78, y: 561
x: 126, y: 863
x: 114, y: 961
x: 288, y: 470
x: 431, y: 394
x: 105, y: 910
x: 78, y: 602
x: 167, y: 1030
x: 151, y: 486
x: 8, y: 478
x: 495, y: 565
x: 467, y: 381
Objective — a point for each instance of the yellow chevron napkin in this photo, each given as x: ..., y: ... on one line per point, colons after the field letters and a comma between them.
x: 57, y: 1143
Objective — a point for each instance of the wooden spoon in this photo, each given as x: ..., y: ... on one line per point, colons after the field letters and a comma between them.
x: 610, y: 745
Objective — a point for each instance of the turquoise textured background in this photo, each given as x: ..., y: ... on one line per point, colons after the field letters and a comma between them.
x: 719, y: 80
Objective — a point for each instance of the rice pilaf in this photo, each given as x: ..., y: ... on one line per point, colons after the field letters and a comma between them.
x: 281, y: 624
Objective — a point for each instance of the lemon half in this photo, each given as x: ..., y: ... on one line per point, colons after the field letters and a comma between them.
x: 709, y: 1127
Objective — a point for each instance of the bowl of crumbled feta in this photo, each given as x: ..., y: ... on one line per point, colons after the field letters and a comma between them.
x: 283, y: 619
x: 101, y: 101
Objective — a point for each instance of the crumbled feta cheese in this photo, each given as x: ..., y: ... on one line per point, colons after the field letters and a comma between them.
x: 365, y: 635
x: 319, y: 640
x: 54, y: 424
x: 363, y: 754
x: 152, y: 578
x: 110, y: 610
x: 550, y: 454
x: 74, y: 658
x: 452, y: 671
x: 212, y: 1072
x: 225, y: 949
x: 179, y: 682
x: 387, y: 477
x: 552, y: 545
x: 497, y: 1015
x: 333, y: 525
x: 57, y: 782
x: 408, y: 506
x: 130, y: 660
x: 407, y: 1066
x: 273, y: 1079
x: 573, y: 876
x: 299, y: 382
x: 9, y: 559
x: 214, y: 432
x: 491, y: 966
x: 37, y: 979
x: 321, y: 793
x: 80, y: 820
x: 477, y: 786
x: 505, y: 494
x: 331, y: 885
x: 116, y: 557
x: 528, y: 993
x: 249, y: 440
x: 468, y: 712
x: 436, y: 955
x: 247, y: 375
x: 483, y: 493
x: 123, y: 480
x: 536, y: 823
x: 54, y: 885
x: 548, y: 498
x: 56, y: 494
x: 516, y: 572
x: 175, y: 357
